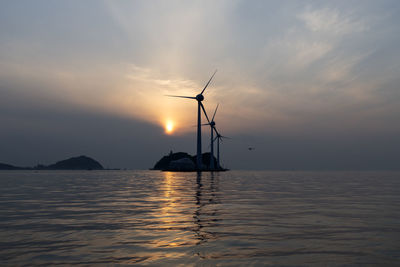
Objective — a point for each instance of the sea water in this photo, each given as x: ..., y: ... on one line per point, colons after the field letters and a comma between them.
x: 229, y: 218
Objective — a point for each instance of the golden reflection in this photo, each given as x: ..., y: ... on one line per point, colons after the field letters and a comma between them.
x: 171, y: 216
x: 168, y: 177
x: 188, y: 210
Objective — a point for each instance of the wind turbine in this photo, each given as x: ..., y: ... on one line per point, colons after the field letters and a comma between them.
x: 198, y: 98
x: 212, y: 126
x: 218, y: 138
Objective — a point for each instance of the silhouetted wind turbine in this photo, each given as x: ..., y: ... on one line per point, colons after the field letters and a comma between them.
x: 212, y: 126
x: 200, y: 106
x: 218, y: 138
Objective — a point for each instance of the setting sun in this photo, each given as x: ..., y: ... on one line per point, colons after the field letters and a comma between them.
x: 169, y: 127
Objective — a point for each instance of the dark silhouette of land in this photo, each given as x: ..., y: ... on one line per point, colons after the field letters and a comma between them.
x: 182, y: 161
x: 75, y: 163
x: 4, y: 166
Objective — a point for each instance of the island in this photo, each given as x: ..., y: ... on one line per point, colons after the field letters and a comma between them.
x: 74, y: 163
x: 182, y: 161
x: 4, y: 166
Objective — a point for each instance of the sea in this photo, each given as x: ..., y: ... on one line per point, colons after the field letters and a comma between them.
x: 233, y: 218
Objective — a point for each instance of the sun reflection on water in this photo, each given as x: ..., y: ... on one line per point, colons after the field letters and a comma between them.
x: 174, y: 219
x: 175, y: 214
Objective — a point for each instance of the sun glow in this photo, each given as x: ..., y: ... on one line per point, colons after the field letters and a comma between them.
x: 169, y: 127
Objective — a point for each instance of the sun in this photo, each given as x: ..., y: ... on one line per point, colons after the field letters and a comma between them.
x: 169, y: 127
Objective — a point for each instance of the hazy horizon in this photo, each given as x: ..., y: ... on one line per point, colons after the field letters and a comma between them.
x: 310, y: 85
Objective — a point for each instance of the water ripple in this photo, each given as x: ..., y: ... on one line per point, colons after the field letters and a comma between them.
x: 232, y: 218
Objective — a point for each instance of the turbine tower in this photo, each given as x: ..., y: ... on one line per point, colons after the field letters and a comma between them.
x: 198, y: 98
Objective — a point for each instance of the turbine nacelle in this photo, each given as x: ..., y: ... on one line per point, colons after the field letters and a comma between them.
x: 212, y: 123
x: 199, y: 97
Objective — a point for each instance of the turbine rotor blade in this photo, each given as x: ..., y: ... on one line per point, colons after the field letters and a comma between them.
x: 215, y: 112
x: 215, y: 129
x: 181, y: 96
x: 205, y: 113
x: 208, y: 82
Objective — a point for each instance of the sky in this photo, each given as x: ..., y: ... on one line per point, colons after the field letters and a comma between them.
x: 311, y: 85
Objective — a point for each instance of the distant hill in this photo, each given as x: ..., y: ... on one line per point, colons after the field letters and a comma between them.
x: 75, y: 163
x: 4, y: 166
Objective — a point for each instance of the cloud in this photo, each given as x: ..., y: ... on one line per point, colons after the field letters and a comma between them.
x: 331, y: 21
x: 125, y: 90
x: 293, y: 55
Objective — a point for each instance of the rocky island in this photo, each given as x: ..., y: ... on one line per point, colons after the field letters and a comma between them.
x: 182, y: 161
x: 4, y: 166
x: 74, y: 163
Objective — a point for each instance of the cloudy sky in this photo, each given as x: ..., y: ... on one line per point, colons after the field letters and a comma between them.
x: 309, y: 84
